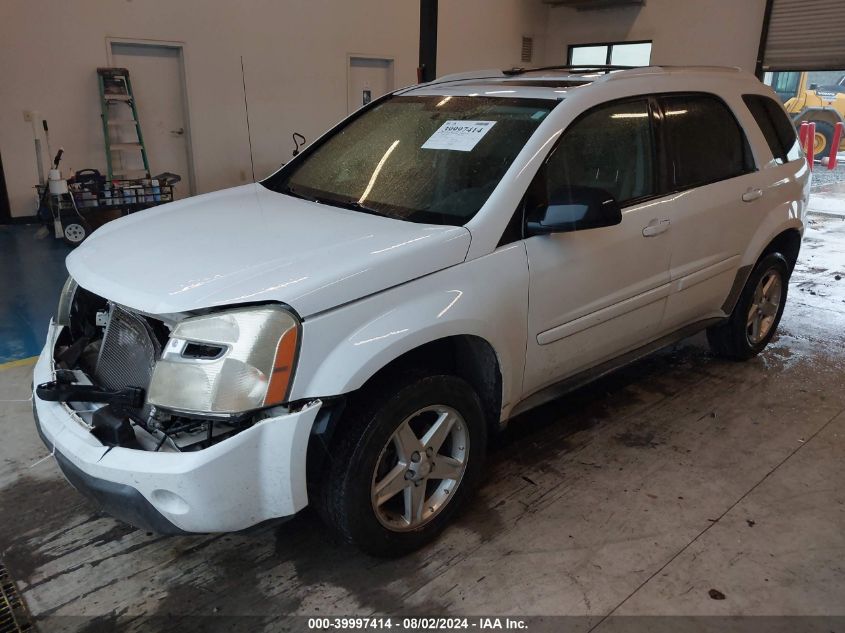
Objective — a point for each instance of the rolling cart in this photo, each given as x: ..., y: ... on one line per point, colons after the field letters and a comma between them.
x: 91, y: 201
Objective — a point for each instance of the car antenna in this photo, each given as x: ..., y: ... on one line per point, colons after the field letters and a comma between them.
x: 246, y: 108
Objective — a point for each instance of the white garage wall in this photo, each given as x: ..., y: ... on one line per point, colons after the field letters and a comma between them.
x: 294, y: 54
x: 485, y: 34
x: 684, y: 32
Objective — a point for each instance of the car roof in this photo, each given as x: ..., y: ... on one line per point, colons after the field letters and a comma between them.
x: 556, y: 82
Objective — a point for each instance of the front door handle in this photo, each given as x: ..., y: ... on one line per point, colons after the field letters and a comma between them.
x: 656, y: 227
x: 752, y: 194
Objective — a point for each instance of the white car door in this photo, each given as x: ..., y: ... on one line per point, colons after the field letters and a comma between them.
x: 717, y: 202
x: 595, y: 294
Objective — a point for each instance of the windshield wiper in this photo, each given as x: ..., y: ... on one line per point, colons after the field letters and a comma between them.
x: 289, y: 191
x: 354, y: 205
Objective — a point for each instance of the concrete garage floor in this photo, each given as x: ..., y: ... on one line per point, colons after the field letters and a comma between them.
x: 639, y: 495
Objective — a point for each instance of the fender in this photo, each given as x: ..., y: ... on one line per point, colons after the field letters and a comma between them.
x: 764, y: 235
x: 823, y: 113
x: 789, y: 199
x: 486, y: 297
x: 789, y: 213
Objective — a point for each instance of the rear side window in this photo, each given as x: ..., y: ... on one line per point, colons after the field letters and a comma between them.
x: 703, y: 140
x: 609, y: 148
x: 776, y: 127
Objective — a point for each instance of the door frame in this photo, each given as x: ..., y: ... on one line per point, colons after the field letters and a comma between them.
x: 180, y: 47
x: 383, y: 58
x: 5, y: 208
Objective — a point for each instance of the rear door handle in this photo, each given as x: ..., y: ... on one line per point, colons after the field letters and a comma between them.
x: 656, y: 227
x: 752, y: 194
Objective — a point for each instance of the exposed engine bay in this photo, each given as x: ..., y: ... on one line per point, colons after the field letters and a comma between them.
x: 104, y: 358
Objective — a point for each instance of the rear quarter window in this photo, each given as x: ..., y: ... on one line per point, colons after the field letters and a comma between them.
x: 704, y: 143
x: 775, y: 126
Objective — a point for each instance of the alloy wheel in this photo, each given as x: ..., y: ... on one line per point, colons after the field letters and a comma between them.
x: 764, y: 307
x: 420, y: 468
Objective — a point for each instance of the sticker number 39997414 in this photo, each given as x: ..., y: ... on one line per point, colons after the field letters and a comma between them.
x: 460, y: 136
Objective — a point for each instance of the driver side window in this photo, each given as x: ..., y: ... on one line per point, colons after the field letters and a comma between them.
x: 608, y: 148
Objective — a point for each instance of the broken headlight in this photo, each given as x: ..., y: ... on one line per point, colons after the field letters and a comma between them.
x: 227, y: 362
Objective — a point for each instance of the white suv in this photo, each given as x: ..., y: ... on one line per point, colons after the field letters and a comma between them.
x: 351, y: 330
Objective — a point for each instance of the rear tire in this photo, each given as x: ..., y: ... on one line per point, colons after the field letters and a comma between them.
x: 384, y: 492
x: 757, y: 313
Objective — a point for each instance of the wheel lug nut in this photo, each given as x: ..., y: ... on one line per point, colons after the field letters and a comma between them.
x: 410, y: 474
x: 415, y: 457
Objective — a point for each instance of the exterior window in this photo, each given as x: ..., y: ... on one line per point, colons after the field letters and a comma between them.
x: 429, y: 159
x: 784, y: 83
x: 608, y: 148
x: 703, y: 141
x: 776, y: 127
x: 615, y: 54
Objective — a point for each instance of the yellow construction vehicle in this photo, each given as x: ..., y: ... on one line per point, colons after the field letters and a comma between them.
x: 822, y: 105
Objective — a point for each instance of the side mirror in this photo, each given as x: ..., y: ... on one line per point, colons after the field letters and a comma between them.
x: 574, y: 209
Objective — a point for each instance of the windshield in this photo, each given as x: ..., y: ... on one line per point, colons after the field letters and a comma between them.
x: 423, y: 159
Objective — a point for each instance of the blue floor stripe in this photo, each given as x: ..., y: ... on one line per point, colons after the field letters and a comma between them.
x: 32, y: 271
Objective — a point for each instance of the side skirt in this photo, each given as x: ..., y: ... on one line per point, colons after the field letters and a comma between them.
x: 552, y: 392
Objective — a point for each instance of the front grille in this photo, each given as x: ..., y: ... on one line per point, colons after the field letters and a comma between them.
x: 13, y: 614
x: 128, y: 352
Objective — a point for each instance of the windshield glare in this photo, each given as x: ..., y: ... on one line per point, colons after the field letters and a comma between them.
x: 423, y: 159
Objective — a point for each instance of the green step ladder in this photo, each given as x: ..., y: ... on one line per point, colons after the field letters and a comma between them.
x: 115, y: 90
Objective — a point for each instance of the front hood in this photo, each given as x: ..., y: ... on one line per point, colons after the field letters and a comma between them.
x: 250, y: 244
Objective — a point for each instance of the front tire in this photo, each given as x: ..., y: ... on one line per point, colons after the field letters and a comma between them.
x: 757, y: 313
x: 404, y: 464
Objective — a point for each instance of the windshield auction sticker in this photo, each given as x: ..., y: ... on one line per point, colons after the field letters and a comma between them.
x: 460, y: 136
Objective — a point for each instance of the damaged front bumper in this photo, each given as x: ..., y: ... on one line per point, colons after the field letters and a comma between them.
x: 254, y: 475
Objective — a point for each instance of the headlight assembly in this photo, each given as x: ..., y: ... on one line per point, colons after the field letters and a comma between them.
x: 227, y: 362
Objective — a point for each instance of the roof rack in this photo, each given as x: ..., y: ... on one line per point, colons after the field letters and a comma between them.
x: 656, y: 69
x: 576, y: 69
x: 610, y: 72
x: 456, y: 77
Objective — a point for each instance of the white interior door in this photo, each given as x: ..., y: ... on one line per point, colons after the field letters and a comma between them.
x: 369, y: 78
x: 158, y: 84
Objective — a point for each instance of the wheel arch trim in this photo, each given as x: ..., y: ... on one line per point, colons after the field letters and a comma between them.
x: 758, y: 253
